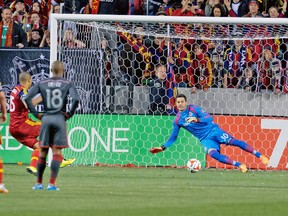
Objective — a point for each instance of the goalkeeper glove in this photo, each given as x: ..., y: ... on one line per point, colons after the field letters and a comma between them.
x: 192, y: 119
x: 157, y: 149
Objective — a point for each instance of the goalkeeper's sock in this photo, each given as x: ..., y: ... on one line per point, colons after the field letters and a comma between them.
x: 1, y: 171
x: 244, y: 146
x: 55, y: 165
x: 41, y: 165
x: 223, y: 158
x: 34, y: 158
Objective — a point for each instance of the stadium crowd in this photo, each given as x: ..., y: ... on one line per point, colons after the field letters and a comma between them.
x: 253, y: 65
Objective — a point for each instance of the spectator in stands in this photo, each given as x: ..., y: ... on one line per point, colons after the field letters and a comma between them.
x: 34, y: 38
x: 209, y: 5
x: 159, y: 100
x: 254, y: 50
x: 159, y: 54
x: 74, y: 6
x: 248, y: 81
x: 160, y: 50
x: 36, y: 8
x: 199, y: 5
x: 181, y: 59
x: 235, y: 60
x: 171, y: 6
x: 236, y: 8
x: 217, y: 60
x: 274, y: 13
x: 56, y: 9
x: 187, y: 9
x: 202, y: 68
x: 70, y: 41
x: 20, y: 15
x: 269, y: 71
x: 141, y: 62
x: 253, y: 9
x: 266, y: 4
x: 45, y: 39
x: 106, y: 60
x: 35, y: 22
x: 156, y: 5
x: 11, y: 33
x: 136, y: 7
x: 217, y: 11
x: 106, y: 7
x: 219, y: 30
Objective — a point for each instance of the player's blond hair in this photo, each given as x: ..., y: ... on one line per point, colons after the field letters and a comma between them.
x: 57, y: 68
x: 24, y: 77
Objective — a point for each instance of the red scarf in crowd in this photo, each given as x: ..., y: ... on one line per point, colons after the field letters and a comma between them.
x: 46, y: 7
x: 94, y: 9
x: 137, y: 45
x: 8, y: 35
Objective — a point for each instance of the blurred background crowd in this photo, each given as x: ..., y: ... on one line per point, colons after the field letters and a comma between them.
x: 251, y: 64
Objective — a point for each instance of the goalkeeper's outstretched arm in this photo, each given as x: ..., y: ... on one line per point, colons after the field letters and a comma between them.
x: 169, y: 142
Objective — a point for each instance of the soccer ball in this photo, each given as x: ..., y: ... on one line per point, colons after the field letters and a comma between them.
x: 193, y: 165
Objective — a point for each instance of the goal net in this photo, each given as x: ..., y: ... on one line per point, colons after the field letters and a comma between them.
x: 234, y: 68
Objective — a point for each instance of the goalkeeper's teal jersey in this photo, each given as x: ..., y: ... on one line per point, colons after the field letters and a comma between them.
x: 200, y: 129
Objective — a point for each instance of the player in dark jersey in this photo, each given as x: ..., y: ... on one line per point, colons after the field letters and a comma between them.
x: 3, y: 118
x: 54, y: 92
x: 200, y: 124
x: 22, y: 128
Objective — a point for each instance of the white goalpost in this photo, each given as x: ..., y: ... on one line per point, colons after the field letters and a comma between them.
x: 112, y: 60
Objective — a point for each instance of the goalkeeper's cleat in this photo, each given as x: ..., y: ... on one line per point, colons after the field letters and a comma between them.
x: 52, y: 187
x: 67, y: 162
x: 3, y: 189
x: 37, y: 186
x: 32, y: 170
x: 264, y: 160
x: 243, y: 168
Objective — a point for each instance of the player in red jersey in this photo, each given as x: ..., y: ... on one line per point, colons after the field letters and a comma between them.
x: 22, y: 128
x: 2, y: 120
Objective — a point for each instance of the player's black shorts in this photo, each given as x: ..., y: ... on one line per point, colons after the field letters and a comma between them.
x: 53, y: 131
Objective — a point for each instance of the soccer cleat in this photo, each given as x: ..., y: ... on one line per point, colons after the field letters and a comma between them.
x: 37, y: 186
x: 264, y: 160
x: 3, y: 189
x: 31, y: 170
x: 243, y: 168
x: 67, y: 162
x: 52, y: 187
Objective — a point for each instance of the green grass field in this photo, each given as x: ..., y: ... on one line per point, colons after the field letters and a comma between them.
x: 116, y: 191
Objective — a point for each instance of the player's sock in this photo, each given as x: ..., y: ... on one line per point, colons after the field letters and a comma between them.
x: 34, y: 158
x: 223, y: 158
x: 41, y: 165
x: 244, y: 146
x: 55, y: 165
x: 1, y: 171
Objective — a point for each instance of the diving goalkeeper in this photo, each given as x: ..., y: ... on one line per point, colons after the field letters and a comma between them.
x: 201, y: 125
